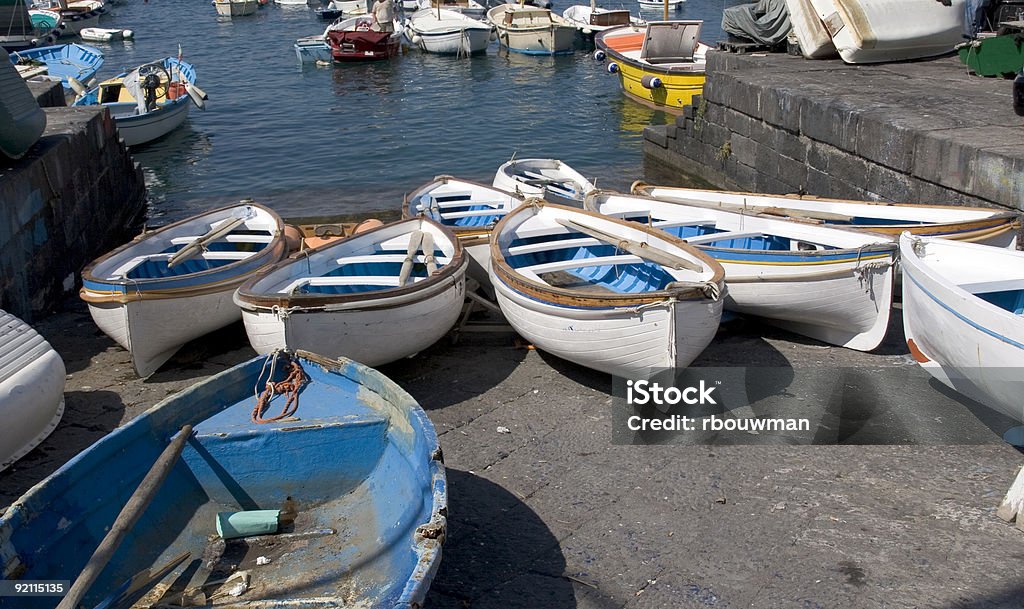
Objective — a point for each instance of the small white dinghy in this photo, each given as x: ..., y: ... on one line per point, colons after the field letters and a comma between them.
x: 592, y: 19
x: 875, y: 31
x: 963, y: 317
x: 99, y: 34
x: 544, y: 178
x: 155, y: 294
x: 989, y: 226
x: 31, y: 389
x: 236, y: 8
x: 375, y: 297
x: 614, y: 296
x: 446, y: 32
x: 470, y: 210
x: 826, y: 283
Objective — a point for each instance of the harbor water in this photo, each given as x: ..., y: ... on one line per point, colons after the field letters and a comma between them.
x: 311, y: 140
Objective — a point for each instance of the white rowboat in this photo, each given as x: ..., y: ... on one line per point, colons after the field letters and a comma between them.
x: 236, y: 8
x: 963, y: 317
x: 544, y: 178
x: 610, y: 295
x: 470, y: 210
x: 375, y: 297
x: 532, y: 30
x: 99, y: 34
x: 993, y: 227
x: 447, y: 32
x: 31, y: 389
x: 826, y: 283
x: 155, y: 294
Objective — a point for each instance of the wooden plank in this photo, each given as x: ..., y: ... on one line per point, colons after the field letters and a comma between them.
x: 1013, y: 504
x: 562, y: 265
x: 723, y: 237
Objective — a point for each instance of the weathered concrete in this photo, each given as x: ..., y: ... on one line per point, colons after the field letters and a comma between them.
x: 48, y: 94
x: 911, y: 132
x: 77, y: 194
x: 553, y: 515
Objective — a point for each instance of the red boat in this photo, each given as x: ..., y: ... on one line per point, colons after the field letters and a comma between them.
x: 354, y: 39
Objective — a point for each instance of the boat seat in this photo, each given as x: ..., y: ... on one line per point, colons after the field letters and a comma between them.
x: 545, y: 246
x: 372, y: 258
x: 228, y: 238
x: 704, y: 239
x: 384, y: 281
x: 999, y: 285
x: 136, y: 262
x: 490, y: 211
x: 564, y: 265
x: 465, y: 200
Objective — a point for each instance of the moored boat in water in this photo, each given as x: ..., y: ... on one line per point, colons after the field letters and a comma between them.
x: 830, y: 284
x: 532, y: 30
x: 348, y: 497
x: 31, y: 389
x: 591, y: 19
x: 963, y: 318
x: 611, y: 295
x: 77, y: 61
x: 470, y: 210
x: 356, y: 39
x: 103, y: 34
x: 153, y: 295
x: 544, y: 178
x: 375, y: 297
x: 993, y: 227
x: 236, y: 8
x: 438, y: 30
x: 149, y: 101
x: 660, y: 64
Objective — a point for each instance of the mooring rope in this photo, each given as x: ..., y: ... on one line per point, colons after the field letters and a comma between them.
x: 290, y: 387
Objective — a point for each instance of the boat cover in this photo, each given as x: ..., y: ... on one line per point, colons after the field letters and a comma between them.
x: 765, y: 21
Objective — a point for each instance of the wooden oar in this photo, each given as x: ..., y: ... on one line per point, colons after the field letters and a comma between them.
x: 771, y: 210
x: 641, y: 250
x: 410, y: 255
x: 140, y: 584
x: 129, y: 515
x: 428, y: 252
x: 199, y: 243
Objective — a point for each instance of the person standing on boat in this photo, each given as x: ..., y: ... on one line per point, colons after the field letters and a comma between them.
x: 383, y: 12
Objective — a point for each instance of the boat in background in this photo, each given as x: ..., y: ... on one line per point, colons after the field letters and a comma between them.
x: 589, y: 20
x: 236, y: 8
x: 354, y: 39
x: 353, y: 489
x: 470, y: 210
x: 876, y: 31
x: 31, y: 389
x: 542, y: 178
x: 830, y: 284
x: 615, y: 296
x: 45, y: 20
x: 375, y: 297
x: 660, y: 65
x: 149, y: 101
x: 313, y: 48
x: 438, y: 30
x: 661, y: 5
x: 153, y: 295
x: 19, y: 31
x: 998, y: 228
x: 65, y: 61
x: 341, y: 8
x: 103, y: 34
x: 469, y: 8
x: 22, y: 121
x: 963, y: 318
x: 76, y: 15
x: 532, y: 30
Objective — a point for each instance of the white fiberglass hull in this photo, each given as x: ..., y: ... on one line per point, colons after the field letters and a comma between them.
x: 970, y: 345
x: 815, y: 42
x: 141, y: 129
x: 551, y: 40
x: 874, y: 31
x: 236, y: 8
x: 620, y: 341
x: 458, y: 42
x: 154, y: 329
x: 31, y: 389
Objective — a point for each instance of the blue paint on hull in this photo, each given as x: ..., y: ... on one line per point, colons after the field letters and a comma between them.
x: 359, y: 456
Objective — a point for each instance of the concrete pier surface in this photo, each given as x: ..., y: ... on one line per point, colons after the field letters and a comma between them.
x: 552, y: 514
x: 916, y: 132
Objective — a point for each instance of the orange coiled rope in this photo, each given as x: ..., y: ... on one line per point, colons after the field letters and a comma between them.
x: 290, y: 386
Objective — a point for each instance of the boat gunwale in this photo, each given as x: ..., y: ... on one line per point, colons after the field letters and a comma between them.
x: 689, y: 68
x: 249, y: 300
x: 94, y: 296
x: 574, y: 298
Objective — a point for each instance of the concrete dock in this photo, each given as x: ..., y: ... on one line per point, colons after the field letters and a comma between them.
x: 912, y: 132
x: 553, y: 514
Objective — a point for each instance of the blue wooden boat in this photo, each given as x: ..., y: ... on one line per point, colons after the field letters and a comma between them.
x: 355, y: 471
x: 76, y: 61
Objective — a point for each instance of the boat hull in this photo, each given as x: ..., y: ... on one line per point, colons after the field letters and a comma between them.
x: 349, y: 47
x: 312, y: 49
x: 968, y: 344
x: 552, y: 40
x: 815, y: 42
x: 236, y: 8
x: 21, y: 119
x: 891, y: 30
x: 31, y: 389
x: 142, y: 129
x: 620, y: 341
x: 357, y: 478
x: 462, y: 42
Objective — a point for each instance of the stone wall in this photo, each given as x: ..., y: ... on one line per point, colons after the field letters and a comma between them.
x: 910, y: 132
x: 77, y: 194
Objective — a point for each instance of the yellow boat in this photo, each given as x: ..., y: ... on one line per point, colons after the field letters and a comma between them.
x: 660, y: 64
